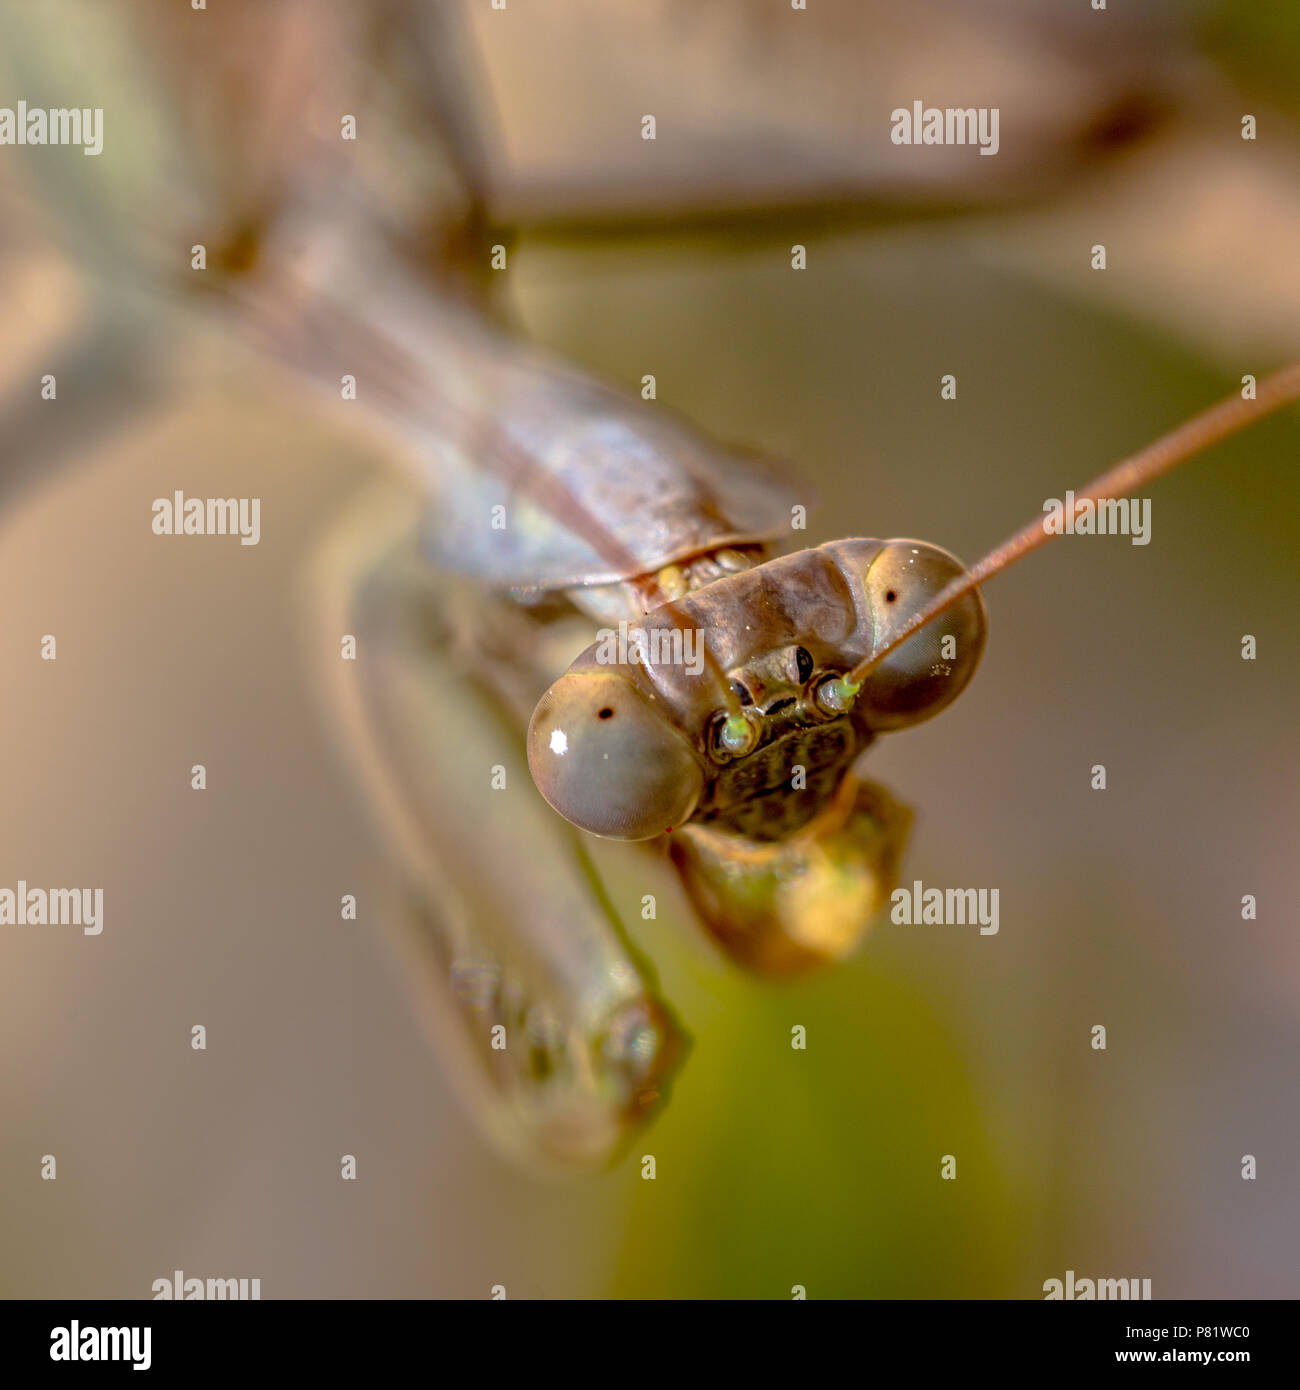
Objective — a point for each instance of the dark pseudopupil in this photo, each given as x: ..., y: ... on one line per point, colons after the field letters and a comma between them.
x: 890, y: 596
x: 607, y: 713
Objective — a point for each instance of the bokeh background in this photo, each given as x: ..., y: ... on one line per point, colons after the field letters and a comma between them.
x: 1121, y: 907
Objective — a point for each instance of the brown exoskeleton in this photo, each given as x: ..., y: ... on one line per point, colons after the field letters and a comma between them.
x: 785, y: 856
x: 746, y: 764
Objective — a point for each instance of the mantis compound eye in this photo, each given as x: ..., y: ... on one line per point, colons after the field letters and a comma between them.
x: 932, y: 668
x: 607, y: 760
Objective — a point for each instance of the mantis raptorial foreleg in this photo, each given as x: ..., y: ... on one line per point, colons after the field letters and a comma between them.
x: 520, y: 967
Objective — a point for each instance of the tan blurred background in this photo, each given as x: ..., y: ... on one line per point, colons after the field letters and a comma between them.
x: 1119, y: 907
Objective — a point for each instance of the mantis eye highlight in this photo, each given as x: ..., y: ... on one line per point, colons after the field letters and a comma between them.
x: 932, y: 668
x: 607, y: 760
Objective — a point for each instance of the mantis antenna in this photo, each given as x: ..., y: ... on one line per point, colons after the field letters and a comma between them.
x: 1218, y: 422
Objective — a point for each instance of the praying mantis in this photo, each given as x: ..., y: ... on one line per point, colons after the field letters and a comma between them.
x: 556, y: 509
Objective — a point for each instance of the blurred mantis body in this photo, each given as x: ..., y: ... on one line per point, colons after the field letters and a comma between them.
x: 554, y: 511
